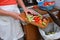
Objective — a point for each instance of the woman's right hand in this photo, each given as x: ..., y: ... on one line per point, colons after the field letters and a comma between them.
x: 16, y: 16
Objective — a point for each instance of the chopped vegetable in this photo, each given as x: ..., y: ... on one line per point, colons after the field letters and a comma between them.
x: 40, y: 16
x: 36, y: 18
x: 30, y: 17
x: 50, y: 33
x: 43, y: 23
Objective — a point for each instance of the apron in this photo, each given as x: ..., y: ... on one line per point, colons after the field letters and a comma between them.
x: 10, y: 29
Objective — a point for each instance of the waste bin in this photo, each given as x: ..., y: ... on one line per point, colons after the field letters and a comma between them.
x: 54, y: 32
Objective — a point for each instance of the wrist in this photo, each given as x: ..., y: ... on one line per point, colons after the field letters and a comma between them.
x: 25, y: 8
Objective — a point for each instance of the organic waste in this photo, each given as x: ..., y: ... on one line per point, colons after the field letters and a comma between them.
x: 50, y: 33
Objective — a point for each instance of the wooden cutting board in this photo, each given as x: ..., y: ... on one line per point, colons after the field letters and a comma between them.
x: 39, y: 11
x: 23, y: 16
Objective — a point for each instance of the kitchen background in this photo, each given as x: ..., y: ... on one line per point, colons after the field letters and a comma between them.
x: 29, y: 3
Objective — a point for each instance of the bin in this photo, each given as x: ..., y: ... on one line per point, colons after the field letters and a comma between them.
x: 52, y: 27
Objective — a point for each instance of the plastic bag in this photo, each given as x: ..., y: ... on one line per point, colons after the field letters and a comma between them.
x: 52, y: 27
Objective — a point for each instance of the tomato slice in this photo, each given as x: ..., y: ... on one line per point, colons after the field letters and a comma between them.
x: 40, y: 21
x: 36, y: 18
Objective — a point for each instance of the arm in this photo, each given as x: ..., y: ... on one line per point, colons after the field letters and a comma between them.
x: 4, y: 13
x: 26, y: 10
x: 20, y: 2
x: 11, y: 14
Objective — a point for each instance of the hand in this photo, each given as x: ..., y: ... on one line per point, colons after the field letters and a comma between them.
x: 30, y: 11
x: 16, y: 16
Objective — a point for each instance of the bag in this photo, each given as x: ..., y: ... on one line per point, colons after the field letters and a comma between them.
x: 54, y: 29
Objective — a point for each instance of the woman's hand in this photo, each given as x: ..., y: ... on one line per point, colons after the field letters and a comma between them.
x: 30, y: 11
x: 16, y: 16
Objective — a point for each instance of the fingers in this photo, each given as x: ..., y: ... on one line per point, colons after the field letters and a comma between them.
x: 21, y: 19
x: 26, y: 13
x: 33, y: 12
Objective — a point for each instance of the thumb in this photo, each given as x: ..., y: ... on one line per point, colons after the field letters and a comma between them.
x: 26, y: 12
x: 21, y: 19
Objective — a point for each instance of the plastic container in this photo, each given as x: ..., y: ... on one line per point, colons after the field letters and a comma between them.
x: 40, y: 2
x: 46, y: 4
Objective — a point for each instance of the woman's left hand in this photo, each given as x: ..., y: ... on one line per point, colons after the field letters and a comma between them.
x: 30, y: 11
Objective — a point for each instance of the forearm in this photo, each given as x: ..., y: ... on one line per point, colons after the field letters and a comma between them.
x: 20, y: 2
x: 4, y: 13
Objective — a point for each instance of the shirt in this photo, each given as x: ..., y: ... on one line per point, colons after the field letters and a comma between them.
x: 7, y: 2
